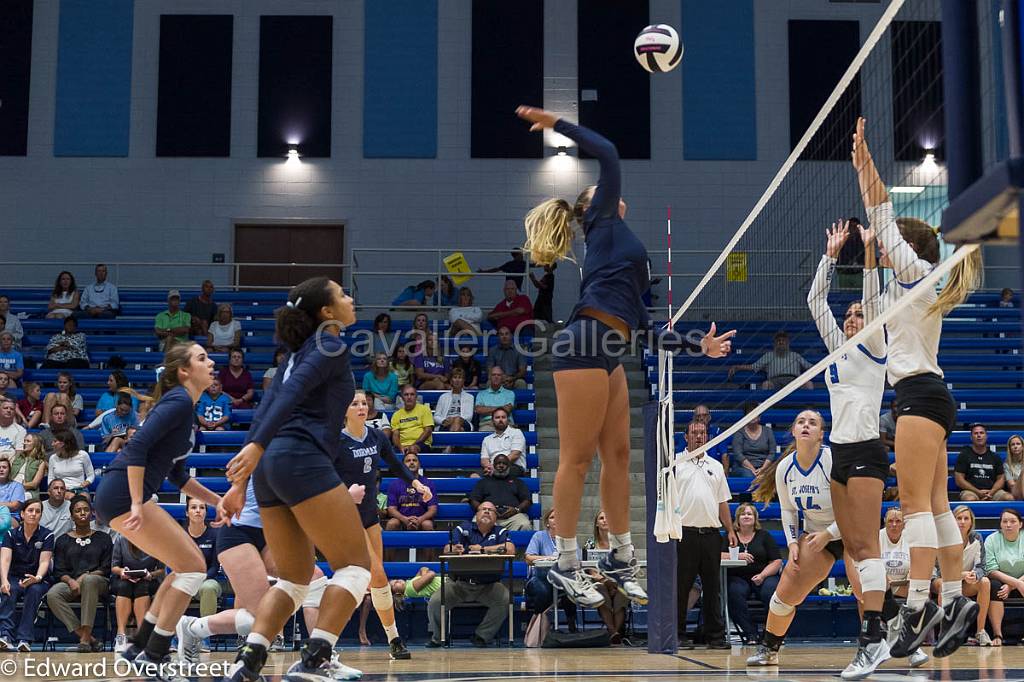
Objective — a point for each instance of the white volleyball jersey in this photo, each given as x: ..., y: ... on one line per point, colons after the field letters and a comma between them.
x: 807, y: 494
x: 913, y: 334
x: 896, y: 557
x: 856, y: 380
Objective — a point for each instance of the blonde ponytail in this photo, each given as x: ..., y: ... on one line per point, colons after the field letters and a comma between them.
x: 763, y: 487
x: 549, y: 232
x: 964, y: 278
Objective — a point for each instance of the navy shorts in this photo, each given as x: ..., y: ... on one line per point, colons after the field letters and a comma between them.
x: 867, y: 459
x: 586, y: 343
x: 292, y: 471
x: 112, y: 496
x: 229, y: 537
x: 926, y: 395
x: 368, y: 511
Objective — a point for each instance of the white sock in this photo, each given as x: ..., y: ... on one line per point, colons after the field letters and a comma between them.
x: 917, y: 595
x: 200, y: 628
x: 244, y: 620
x: 324, y: 635
x: 621, y: 546
x: 257, y: 638
x: 567, y: 549
x: 951, y: 589
x: 391, y: 631
x: 149, y: 618
x: 163, y: 633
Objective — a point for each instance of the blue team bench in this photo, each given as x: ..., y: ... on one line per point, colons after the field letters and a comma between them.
x: 985, y: 415
x: 738, y: 485
x: 697, y: 377
x: 135, y: 295
x: 947, y: 360
x: 429, y: 461
x: 820, y: 396
x: 956, y: 439
x: 982, y: 510
x: 765, y: 330
x: 755, y: 349
x: 446, y: 511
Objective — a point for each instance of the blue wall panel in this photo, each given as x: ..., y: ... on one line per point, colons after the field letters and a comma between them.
x: 94, y: 78
x: 719, y: 100
x: 400, y: 79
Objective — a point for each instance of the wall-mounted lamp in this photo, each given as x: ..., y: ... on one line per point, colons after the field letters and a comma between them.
x: 293, y: 154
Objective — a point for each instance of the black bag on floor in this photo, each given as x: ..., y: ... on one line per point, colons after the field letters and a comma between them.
x: 588, y: 639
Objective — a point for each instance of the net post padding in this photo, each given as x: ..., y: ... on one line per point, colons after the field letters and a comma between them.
x: 662, y: 618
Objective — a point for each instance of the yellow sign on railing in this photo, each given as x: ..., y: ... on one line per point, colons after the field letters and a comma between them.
x: 457, y: 263
x: 736, y: 267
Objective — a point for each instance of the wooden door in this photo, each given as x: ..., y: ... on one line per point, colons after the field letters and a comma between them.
x: 289, y: 243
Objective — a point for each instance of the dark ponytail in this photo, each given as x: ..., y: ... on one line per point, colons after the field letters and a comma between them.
x: 298, y: 320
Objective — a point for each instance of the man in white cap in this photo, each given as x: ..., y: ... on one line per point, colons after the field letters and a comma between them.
x: 172, y: 325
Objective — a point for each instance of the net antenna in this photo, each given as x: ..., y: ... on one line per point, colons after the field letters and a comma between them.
x: 665, y: 528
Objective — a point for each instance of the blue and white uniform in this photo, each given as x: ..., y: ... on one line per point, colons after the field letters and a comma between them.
x: 247, y: 529
x: 806, y: 495
x: 359, y: 463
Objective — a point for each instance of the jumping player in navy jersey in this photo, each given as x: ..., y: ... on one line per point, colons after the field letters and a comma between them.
x: 125, y: 499
x: 925, y: 410
x: 362, y: 448
x: 303, y: 502
x: 590, y: 384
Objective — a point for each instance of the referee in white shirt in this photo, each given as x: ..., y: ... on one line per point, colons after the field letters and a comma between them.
x: 705, y: 510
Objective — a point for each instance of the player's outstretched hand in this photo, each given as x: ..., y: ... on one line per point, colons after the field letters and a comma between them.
x: 860, y: 154
x: 836, y: 237
x: 538, y: 117
x: 423, y: 490
x: 717, y: 346
x: 231, y: 503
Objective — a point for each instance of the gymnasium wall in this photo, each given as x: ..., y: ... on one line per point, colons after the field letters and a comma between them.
x: 133, y: 205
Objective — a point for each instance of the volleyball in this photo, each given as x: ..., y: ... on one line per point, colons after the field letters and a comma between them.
x: 658, y: 48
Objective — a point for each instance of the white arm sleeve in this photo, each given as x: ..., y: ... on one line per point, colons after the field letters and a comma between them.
x: 833, y: 530
x: 817, y: 301
x: 789, y: 513
x: 872, y: 309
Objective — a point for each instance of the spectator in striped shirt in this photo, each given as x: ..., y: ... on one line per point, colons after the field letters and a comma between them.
x: 781, y: 365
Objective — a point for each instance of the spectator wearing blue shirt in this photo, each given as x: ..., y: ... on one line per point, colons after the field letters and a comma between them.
x: 540, y: 593
x: 214, y: 408
x: 24, y: 563
x: 12, y: 363
x: 100, y: 299
x: 114, y: 425
x: 416, y: 294
x: 493, y: 397
x: 508, y: 357
x: 12, y: 493
x: 381, y: 382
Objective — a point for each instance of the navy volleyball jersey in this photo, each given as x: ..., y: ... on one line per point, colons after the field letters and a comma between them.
x: 360, y: 459
x: 616, y: 272
x: 308, y: 397
x: 163, y: 442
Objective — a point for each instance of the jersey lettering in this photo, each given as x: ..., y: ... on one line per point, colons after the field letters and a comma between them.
x: 805, y: 503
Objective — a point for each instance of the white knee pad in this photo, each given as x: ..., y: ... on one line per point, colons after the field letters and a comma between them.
x: 382, y: 598
x: 243, y: 622
x: 353, y: 579
x: 189, y: 583
x: 297, y: 593
x: 872, y: 575
x: 316, y: 593
x: 947, y: 533
x: 919, y: 530
x: 779, y: 607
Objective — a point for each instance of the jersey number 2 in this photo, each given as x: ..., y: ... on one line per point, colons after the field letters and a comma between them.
x: 367, y: 465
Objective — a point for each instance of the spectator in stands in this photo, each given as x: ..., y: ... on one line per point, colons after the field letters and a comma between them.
x: 237, y: 382
x: 12, y: 493
x: 31, y: 406
x: 6, y: 387
x: 81, y: 570
x: 382, y: 382
x: 226, y: 332
x: 468, y: 363
x: 979, y: 471
x: 416, y: 336
x: 202, y: 309
x: 481, y: 536
x: 67, y: 395
x: 781, y: 365
x: 382, y: 339
x: 135, y: 578
x: 57, y: 508
x: 65, y: 298
x: 412, y: 426
x: 1006, y: 298
x: 12, y: 434
x: 172, y: 325
x: 516, y: 266
x: 24, y: 564
x: 493, y: 397
x: 540, y: 594
x: 59, y: 424
x: 454, y: 409
x: 268, y: 376
x: 543, y: 304
x: 887, y: 426
x: 514, y: 311
x: 505, y: 440
x: 401, y: 365
x: 117, y: 385
x: 702, y: 414
x: 11, y: 322
x: 405, y: 505
x: 508, y: 357
x: 752, y: 447
x: 12, y: 362
x: 447, y: 295
x: 465, y: 318
x: 510, y: 496
x: 416, y: 294
x: 759, y: 577
x: 100, y: 299
x: 214, y: 408
x: 613, y: 610
x: 975, y: 584
x: 70, y: 464
x: 1004, y: 568
x: 115, y: 425
x: 68, y: 349
x: 205, y: 538
x: 424, y: 584
x: 29, y: 467
x: 1013, y: 464
x: 431, y: 366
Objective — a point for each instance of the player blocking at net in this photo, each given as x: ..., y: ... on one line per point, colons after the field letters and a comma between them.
x: 926, y: 412
x: 590, y: 383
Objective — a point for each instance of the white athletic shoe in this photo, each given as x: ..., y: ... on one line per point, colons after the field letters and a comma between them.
x: 764, y: 656
x: 983, y: 638
x: 867, y: 658
x: 188, y: 644
x: 577, y: 585
x: 120, y: 644
x: 340, y: 671
x: 918, y: 658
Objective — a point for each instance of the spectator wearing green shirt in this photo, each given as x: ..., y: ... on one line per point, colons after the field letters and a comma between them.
x: 423, y: 584
x: 1004, y: 563
x: 172, y: 325
x: 493, y: 397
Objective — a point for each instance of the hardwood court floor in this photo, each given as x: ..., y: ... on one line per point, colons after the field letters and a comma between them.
x: 802, y: 663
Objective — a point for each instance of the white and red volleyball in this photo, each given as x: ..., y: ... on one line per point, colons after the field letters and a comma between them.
x: 658, y: 48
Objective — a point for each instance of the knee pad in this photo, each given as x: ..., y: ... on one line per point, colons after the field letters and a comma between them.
x: 382, y: 598
x: 353, y: 579
x: 297, y: 593
x: 779, y: 607
x: 316, y: 593
x: 189, y: 583
x: 947, y: 533
x: 872, y: 575
x: 919, y: 529
x: 243, y: 622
